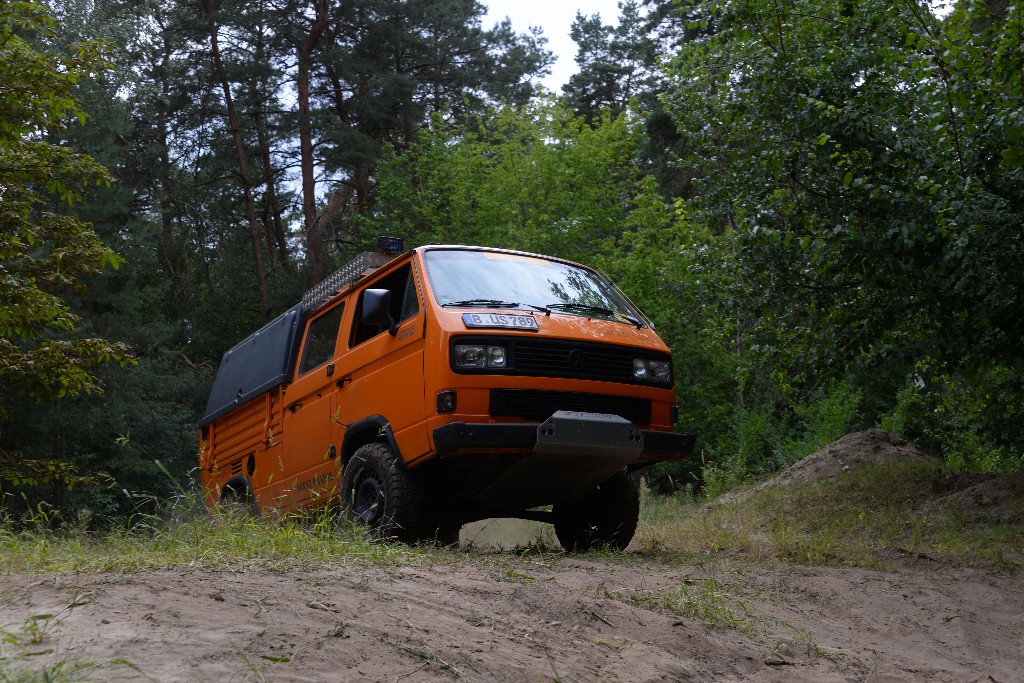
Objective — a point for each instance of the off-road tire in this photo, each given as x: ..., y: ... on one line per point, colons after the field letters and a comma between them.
x: 382, y: 495
x: 604, y: 518
x: 237, y: 501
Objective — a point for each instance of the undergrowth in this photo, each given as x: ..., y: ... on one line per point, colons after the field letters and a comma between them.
x: 37, y: 544
x: 865, y: 517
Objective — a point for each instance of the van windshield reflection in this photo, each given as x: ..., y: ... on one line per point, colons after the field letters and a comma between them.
x: 490, y: 279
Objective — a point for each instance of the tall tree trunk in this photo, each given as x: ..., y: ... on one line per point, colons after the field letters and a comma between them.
x: 313, y: 229
x: 243, y: 168
x: 6, y: 446
x: 275, y: 235
x: 169, y: 246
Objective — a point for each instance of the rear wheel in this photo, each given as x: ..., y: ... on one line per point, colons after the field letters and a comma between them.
x: 604, y: 518
x: 235, y: 499
x: 381, y: 494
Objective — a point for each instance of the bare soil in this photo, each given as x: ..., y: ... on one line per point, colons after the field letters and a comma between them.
x: 542, y: 617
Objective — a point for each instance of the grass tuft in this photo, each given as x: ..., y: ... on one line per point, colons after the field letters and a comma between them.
x: 705, y: 600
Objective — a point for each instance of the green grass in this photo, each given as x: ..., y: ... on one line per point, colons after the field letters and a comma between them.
x: 294, y: 542
x: 706, y: 600
x: 870, y: 517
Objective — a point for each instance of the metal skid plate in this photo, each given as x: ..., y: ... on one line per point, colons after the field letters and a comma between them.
x: 574, y: 453
x: 594, y: 434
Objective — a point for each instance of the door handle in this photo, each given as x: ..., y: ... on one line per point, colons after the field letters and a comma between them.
x: 341, y: 382
x: 295, y: 406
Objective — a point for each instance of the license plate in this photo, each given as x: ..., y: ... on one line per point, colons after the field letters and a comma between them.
x: 518, y: 322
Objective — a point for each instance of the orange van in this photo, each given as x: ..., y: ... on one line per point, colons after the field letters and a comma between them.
x: 417, y: 392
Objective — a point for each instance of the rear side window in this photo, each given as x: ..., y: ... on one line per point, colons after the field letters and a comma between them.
x: 405, y: 303
x: 321, y: 340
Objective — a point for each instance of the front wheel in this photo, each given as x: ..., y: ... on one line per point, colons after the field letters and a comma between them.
x: 381, y: 494
x: 604, y: 518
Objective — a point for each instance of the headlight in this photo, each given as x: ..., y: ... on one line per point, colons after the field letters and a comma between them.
x: 659, y: 371
x: 480, y: 356
x: 496, y: 356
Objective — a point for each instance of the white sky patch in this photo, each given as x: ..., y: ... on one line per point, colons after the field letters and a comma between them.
x: 555, y: 17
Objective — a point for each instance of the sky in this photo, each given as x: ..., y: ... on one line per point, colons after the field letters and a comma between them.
x: 555, y: 17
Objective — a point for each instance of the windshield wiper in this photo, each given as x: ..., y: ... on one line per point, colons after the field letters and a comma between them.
x: 582, y: 307
x: 631, y: 320
x: 598, y: 310
x: 483, y: 303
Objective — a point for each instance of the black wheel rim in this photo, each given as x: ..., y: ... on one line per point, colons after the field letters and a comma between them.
x: 368, y: 498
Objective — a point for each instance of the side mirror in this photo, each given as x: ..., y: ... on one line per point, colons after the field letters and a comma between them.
x: 377, y: 309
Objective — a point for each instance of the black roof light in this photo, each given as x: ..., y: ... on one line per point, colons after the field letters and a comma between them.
x: 390, y: 245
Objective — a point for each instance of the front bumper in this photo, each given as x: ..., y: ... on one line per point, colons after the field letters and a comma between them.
x: 578, y: 432
x: 570, y: 454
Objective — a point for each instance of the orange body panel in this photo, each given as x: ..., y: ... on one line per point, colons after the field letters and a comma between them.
x: 254, y: 430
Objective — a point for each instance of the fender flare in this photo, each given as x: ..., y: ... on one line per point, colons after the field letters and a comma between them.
x: 368, y: 430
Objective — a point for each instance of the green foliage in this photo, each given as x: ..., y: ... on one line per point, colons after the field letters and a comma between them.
x: 616, y: 63
x: 824, y: 417
x: 856, y: 162
x: 852, y: 175
x: 44, y: 253
x: 974, y: 423
x: 534, y: 178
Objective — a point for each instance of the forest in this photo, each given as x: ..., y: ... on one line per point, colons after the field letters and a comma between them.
x: 819, y: 203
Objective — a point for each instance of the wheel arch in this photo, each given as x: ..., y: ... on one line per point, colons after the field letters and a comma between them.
x: 369, y: 430
x: 242, y: 487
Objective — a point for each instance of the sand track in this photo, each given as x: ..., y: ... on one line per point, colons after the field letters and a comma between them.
x: 528, y: 619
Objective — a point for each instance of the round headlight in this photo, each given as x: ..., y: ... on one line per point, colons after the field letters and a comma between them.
x: 496, y: 356
x: 659, y: 371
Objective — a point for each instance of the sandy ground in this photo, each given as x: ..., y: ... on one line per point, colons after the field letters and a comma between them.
x: 540, y: 617
x: 528, y: 619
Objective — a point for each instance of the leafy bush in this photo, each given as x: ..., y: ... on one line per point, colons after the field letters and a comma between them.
x: 975, y: 423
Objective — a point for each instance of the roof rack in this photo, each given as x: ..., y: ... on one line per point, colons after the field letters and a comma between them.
x: 349, y: 274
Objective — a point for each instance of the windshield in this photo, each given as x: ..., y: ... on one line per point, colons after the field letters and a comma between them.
x: 496, y: 279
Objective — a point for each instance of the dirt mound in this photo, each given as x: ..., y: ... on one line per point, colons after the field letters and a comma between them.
x: 858, y: 448
x: 998, y: 497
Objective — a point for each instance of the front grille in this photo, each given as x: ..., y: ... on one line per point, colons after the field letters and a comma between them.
x: 568, y: 359
x: 536, y: 406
